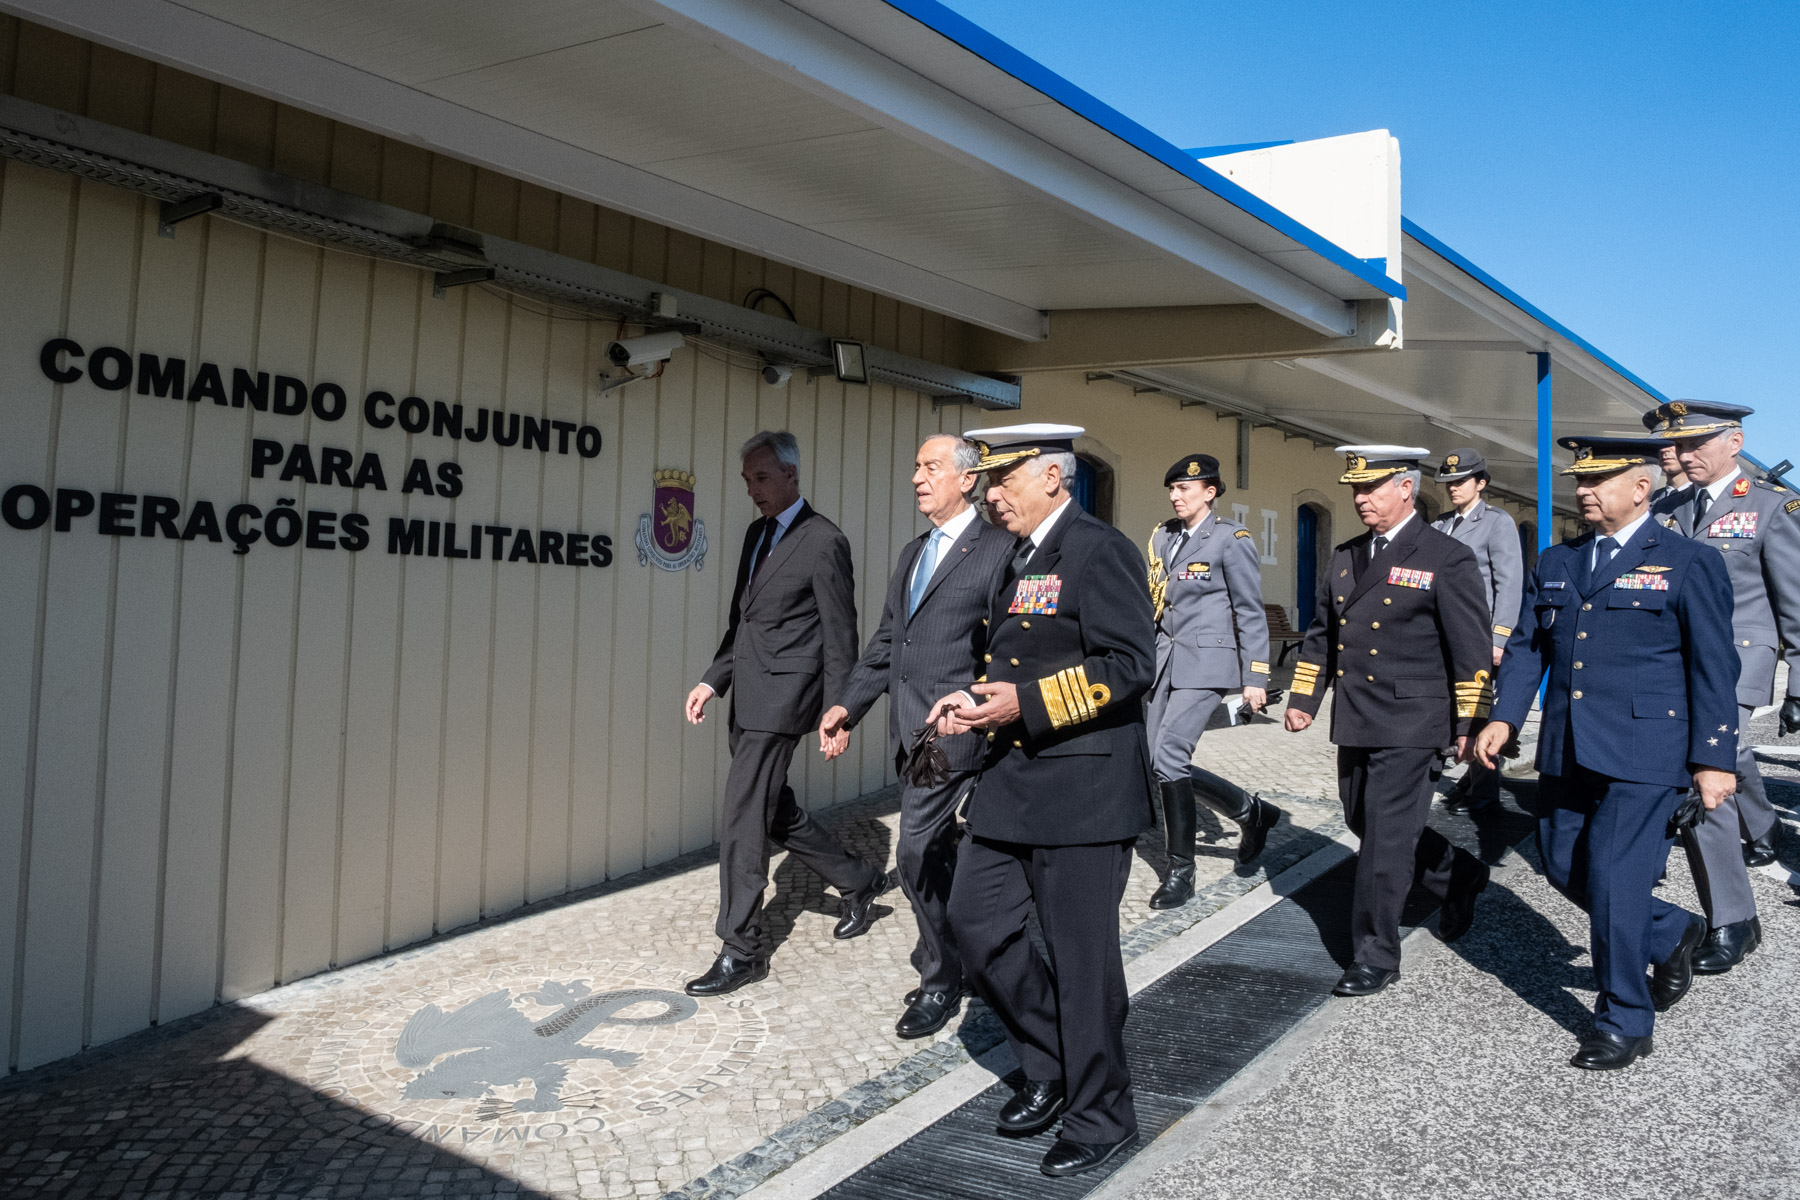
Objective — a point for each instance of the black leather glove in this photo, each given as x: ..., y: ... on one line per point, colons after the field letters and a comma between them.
x: 1790, y: 715
x: 1687, y: 814
x: 926, y: 763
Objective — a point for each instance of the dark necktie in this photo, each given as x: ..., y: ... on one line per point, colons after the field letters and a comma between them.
x: 1456, y: 524
x: 766, y: 544
x: 1702, y: 502
x: 1377, y: 546
x: 1021, y: 556
x: 1175, y: 547
x: 1604, y: 549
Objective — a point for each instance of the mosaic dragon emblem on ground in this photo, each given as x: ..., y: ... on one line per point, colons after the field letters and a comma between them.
x: 492, y: 1043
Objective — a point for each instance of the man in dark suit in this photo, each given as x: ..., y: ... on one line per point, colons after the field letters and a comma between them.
x: 1064, y: 791
x: 1632, y: 625
x: 933, y: 629
x: 1402, y: 633
x: 788, y: 648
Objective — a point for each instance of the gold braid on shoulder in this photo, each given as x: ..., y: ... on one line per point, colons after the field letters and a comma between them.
x: 1159, y: 574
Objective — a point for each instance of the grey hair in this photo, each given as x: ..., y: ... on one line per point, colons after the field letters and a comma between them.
x: 965, y: 456
x: 782, y: 444
x: 1414, y: 476
x: 1064, y: 461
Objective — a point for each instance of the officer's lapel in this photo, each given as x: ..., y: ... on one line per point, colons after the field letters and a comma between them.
x: 1398, y: 551
x: 1629, y: 558
x: 1043, y: 562
x: 947, y: 562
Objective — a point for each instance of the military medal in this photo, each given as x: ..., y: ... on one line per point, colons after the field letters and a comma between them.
x: 1036, y: 594
x: 1403, y: 577
x: 1733, y: 525
x: 1197, y: 570
x: 1642, y: 581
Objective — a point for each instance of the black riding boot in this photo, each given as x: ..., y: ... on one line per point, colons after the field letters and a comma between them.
x: 1253, y: 815
x: 1178, y: 837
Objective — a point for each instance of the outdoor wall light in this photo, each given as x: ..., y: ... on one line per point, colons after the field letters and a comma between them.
x: 776, y: 375
x: 849, y: 361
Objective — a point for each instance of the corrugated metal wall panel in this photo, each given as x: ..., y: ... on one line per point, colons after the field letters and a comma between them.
x: 226, y: 771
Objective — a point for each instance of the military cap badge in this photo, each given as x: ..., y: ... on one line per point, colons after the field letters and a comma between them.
x: 1193, y: 469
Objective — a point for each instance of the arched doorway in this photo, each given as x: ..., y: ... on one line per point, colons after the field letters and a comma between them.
x: 1312, y: 547
x: 1093, y: 489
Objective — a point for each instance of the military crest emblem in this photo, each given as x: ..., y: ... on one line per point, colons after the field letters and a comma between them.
x: 671, y: 535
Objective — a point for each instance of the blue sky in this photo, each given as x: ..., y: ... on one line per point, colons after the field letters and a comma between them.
x: 1632, y: 169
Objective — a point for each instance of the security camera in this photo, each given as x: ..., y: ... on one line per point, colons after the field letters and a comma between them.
x: 644, y: 351
x: 776, y: 375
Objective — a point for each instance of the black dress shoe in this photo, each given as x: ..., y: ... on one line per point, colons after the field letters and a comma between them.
x: 1363, y: 980
x: 1458, y: 911
x: 1072, y: 1158
x: 1177, y: 889
x: 728, y: 974
x: 1255, y: 832
x: 858, y: 911
x: 1726, y: 946
x: 1033, y: 1108
x: 1760, y: 852
x: 1602, y: 1051
x: 927, y: 1014
x: 1671, y: 978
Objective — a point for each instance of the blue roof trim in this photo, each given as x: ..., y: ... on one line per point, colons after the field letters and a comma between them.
x: 1411, y: 229
x: 1241, y: 147
x: 979, y: 42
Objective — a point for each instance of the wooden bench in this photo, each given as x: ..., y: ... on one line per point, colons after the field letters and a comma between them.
x: 1281, y: 633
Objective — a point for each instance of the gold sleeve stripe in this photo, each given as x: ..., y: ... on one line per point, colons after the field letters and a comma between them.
x: 1070, y: 699
x: 1503, y: 631
x: 1475, y: 697
x: 1259, y: 668
x: 1301, y: 688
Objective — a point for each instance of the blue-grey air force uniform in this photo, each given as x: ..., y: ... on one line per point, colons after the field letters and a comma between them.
x: 1639, y: 695
x: 1756, y: 529
x: 1212, y: 636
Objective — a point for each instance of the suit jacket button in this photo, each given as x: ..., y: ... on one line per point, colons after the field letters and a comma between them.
x: 1585, y: 607
x: 1343, y: 620
x: 1671, y: 712
x: 1340, y: 600
x: 987, y: 658
x: 984, y: 620
x: 1373, y: 650
x: 1340, y: 672
x: 1371, y: 679
x: 990, y: 736
x: 1374, y: 624
x: 1340, y: 645
x: 1013, y: 661
x: 1574, y: 695
x: 1024, y: 624
x: 1746, y: 641
x: 1018, y: 745
x: 1578, y: 665
x: 1387, y: 599
x: 1581, y: 635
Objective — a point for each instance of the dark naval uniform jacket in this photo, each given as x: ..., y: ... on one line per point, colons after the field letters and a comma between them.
x: 1642, y: 675
x: 1756, y: 528
x: 1404, y: 640
x: 1213, y: 632
x: 1074, y: 633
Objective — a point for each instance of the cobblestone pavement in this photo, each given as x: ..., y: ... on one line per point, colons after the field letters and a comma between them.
x: 553, y: 1053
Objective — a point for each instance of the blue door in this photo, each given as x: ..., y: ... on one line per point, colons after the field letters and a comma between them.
x: 1306, y: 564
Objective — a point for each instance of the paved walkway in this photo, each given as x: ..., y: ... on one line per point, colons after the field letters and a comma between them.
x: 422, y: 1073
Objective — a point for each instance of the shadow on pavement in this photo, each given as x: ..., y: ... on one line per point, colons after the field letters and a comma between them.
x: 184, y: 1118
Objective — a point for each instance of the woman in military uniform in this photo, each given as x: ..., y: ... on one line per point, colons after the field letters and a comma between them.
x: 1212, y: 637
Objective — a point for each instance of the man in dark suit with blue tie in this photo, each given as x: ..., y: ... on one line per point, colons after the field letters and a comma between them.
x: 787, y: 651
x: 933, y: 628
x: 1632, y: 625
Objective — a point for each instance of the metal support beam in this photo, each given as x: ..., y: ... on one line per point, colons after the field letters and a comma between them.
x: 174, y: 212
x: 1546, y: 441
x: 443, y: 281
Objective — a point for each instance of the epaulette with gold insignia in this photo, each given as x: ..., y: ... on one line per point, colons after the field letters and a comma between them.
x: 1241, y: 533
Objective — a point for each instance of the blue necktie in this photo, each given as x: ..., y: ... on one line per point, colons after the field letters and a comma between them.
x: 922, y: 576
x: 1604, y: 549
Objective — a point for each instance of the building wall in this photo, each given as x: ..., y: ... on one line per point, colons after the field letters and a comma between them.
x: 222, y: 771
x: 1139, y: 435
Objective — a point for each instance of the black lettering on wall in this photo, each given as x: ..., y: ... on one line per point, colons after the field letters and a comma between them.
x: 162, y: 376
x: 71, y: 503
x: 372, y: 404
x: 334, y: 466
x: 12, y: 506
x: 110, y: 368
x: 116, y: 515
x: 414, y: 416
x: 329, y: 402
x: 208, y: 385
x: 368, y: 472
x: 290, y: 396
x: 537, y: 435
x: 418, y: 478
x: 263, y: 455
x: 353, y: 531
x: 159, y: 517
x: 449, y: 480
x: 446, y: 420
x: 405, y: 537
x: 54, y: 349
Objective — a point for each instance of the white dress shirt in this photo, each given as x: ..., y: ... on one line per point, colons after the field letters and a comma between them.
x: 947, y: 533
x: 1623, y: 537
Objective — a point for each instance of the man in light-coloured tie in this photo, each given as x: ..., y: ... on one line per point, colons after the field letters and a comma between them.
x: 932, y: 627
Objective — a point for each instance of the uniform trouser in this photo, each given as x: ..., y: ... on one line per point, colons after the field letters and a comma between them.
x: 1065, y: 1017
x: 926, y: 852
x: 1175, y: 719
x: 1604, y: 841
x: 1387, y: 795
x: 1715, y: 849
x: 759, y: 809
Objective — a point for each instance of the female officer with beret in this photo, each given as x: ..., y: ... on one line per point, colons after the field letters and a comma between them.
x: 1212, y: 637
